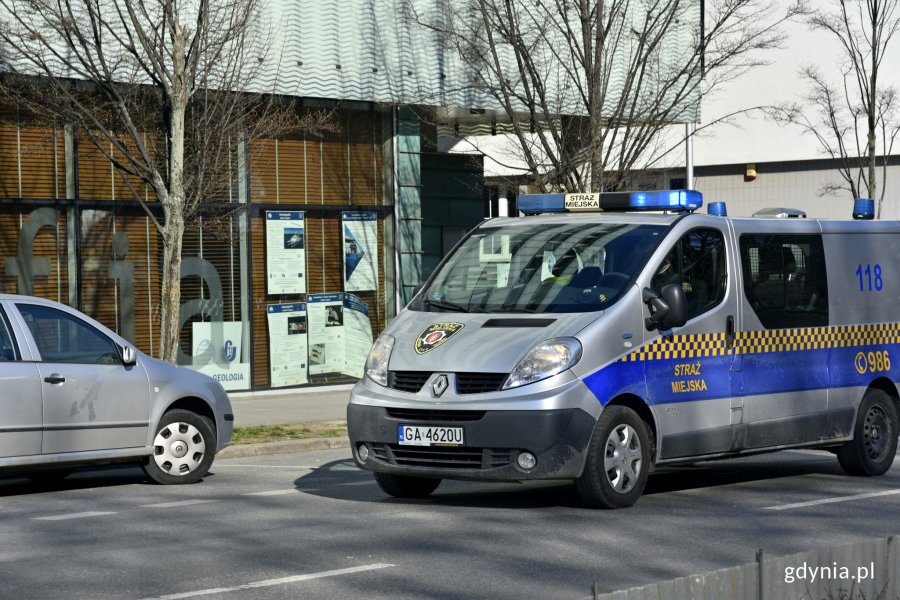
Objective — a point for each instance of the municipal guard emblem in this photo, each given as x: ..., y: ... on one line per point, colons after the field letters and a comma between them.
x: 435, y: 335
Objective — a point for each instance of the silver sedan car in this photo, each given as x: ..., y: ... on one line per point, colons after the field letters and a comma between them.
x: 74, y: 393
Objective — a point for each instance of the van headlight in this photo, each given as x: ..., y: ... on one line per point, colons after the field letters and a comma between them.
x: 545, y: 360
x: 377, y: 362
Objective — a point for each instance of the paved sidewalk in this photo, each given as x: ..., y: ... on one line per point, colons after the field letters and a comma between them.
x: 276, y: 407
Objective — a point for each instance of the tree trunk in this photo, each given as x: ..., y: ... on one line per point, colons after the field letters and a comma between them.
x: 170, y: 300
x: 175, y: 205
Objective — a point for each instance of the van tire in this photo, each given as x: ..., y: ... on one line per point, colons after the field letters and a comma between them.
x: 618, y: 460
x: 183, y: 448
x: 405, y: 486
x: 874, y: 443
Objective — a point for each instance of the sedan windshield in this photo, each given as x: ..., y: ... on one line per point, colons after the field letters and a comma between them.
x: 569, y: 267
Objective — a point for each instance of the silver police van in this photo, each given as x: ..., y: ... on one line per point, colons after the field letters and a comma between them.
x: 591, y: 341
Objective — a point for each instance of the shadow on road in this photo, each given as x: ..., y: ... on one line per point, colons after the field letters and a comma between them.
x: 342, y: 480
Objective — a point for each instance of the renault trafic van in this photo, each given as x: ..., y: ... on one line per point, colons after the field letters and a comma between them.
x: 601, y: 335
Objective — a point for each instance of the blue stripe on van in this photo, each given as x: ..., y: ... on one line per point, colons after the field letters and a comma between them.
x: 696, y: 367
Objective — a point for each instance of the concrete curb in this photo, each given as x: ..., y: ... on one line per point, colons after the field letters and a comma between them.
x: 283, y: 447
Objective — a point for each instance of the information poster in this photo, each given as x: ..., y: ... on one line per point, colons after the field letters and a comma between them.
x: 288, y: 335
x: 217, y: 353
x: 326, y: 333
x: 357, y: 335
x: 360, y: 250
x: 285, y: 253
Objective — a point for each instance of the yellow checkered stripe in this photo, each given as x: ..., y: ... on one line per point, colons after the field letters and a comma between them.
x: 703, y: 345
x: 695, y: 345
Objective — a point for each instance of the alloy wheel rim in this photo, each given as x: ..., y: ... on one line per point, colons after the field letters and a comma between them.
x: 179, y: 448
x: 622, y: 461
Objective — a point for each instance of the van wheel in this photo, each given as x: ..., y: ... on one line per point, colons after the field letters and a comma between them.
x: 183, y: 448
x: 874, y: 443
x: 404, y: 486
x: 618, y: 460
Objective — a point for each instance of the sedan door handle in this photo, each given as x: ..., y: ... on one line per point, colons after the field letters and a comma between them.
x: 54, y: 379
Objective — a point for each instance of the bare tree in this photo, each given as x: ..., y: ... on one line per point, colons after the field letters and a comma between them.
x: 589, y: 86
x: 855, y: 119
x: 165, y: 89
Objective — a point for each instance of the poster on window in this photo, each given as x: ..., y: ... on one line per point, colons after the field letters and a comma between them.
x: 360, y: 250
x: 357, y: 335
x: 288, y: 344
x: 326, y: 333
x: 285, y: 253
x: 217, y: 353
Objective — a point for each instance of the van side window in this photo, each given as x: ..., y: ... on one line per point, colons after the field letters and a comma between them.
x: 697, y: 263
x: 784, y: 279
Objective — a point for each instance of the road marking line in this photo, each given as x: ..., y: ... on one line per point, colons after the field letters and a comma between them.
x: 272, y: 582
x: 81, y: 515
x: 833, y: 500
x: 300, y: 467
x: 273, y: 492
x: 178, y: 503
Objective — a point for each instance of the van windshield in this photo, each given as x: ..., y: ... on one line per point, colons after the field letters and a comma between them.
x: 569, y: 267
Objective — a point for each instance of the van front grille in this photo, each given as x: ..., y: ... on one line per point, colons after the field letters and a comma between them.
x: 479, y: 383
x: 466, y: 383
x: 407, y: 381
x: 443, y: 458
x: 415, y: 414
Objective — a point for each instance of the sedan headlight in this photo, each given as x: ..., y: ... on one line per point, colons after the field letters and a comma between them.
x: 377, y: 362
x: 545, y: 360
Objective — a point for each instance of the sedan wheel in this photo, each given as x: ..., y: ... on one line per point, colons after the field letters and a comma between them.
x: 183, y: 448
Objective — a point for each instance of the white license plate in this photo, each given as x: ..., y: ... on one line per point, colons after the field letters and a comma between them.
x: 418, y: 435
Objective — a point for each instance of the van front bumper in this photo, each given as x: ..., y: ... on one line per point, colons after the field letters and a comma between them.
x: 492, y: 442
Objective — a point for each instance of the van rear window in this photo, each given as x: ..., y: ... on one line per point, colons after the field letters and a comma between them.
x: 785, y: 279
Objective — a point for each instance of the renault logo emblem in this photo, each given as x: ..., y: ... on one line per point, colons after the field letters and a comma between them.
x: 439, y: 385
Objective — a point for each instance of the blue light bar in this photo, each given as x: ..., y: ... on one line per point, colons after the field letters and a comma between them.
x: 660, y: 200
x: 863, y: 208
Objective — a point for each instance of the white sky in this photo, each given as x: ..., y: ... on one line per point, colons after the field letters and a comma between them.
x: 758, y: 139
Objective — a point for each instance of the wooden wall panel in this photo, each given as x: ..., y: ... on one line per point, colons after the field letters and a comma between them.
x: 314, y: 172
x: 262, y: 171
x: 51, y: 243
x: 95, y: 173
x: 292, y: 171
x: 43, y: 163
x: 9, y: 162
x: 99, y: 296
x: 260, y: 342
x: 335, y: 175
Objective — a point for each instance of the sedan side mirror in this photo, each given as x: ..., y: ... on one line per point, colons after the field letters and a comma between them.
x: 129, y: 356
x: 668, y: 309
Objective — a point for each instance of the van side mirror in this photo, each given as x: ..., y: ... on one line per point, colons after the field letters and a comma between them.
x: 668, y: 309
x: 129, y: 356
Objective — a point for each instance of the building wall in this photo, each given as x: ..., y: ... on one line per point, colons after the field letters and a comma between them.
x: 791, y: 184
x: 95, y: 248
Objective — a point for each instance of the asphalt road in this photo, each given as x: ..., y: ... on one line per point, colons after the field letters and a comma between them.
x: 310, y: 525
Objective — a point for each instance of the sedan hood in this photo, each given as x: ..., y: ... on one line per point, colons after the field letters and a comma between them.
x: 474, y: 342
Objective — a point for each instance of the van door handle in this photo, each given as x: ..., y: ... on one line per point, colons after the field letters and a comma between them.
x: 54, y: 379
x: 729, y: 332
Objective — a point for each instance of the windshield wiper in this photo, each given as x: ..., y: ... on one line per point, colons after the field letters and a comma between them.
x: 446, y: 305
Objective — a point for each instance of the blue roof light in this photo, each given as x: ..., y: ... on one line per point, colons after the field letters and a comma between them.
x: 660, y: 200
x: 864, y: 208
x: 717, y: 209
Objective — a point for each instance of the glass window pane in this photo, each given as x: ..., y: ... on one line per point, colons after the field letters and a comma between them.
x: 60, y: 337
